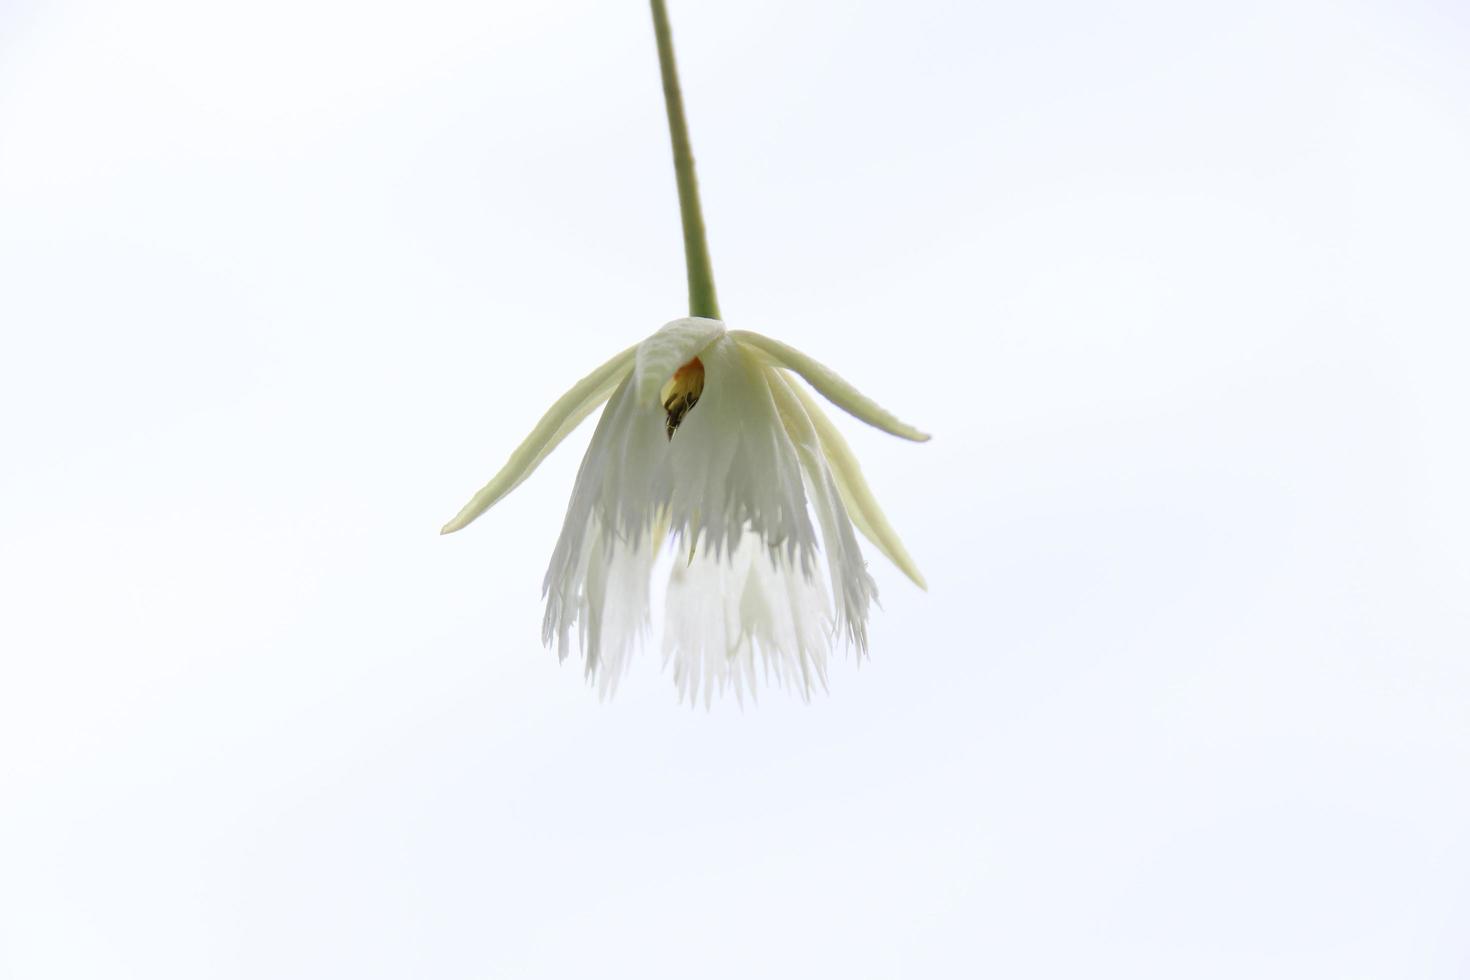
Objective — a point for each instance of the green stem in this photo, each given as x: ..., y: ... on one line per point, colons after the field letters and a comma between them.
x: 702, y: 301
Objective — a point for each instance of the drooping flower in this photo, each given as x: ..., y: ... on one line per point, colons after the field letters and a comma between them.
x: 710, y: 443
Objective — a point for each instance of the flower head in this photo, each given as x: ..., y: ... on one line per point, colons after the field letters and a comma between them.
x: 710, y: 443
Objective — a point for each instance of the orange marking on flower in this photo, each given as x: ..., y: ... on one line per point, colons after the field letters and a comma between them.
x: 681, y: 392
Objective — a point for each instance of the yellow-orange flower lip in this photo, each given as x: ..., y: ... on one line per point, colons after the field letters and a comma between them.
x: 681, y: 392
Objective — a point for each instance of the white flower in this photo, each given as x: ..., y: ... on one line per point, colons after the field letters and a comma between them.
x: 707, y: 440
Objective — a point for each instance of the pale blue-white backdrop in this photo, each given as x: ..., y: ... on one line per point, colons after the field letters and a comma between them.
x: 1178, y: 288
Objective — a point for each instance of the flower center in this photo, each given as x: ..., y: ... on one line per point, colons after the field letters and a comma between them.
x: 681, y: 392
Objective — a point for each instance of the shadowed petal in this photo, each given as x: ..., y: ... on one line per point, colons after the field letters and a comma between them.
x: 832, y: 387
x: 558, y: 422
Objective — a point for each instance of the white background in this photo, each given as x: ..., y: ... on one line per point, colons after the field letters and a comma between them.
x: 1179, y: 288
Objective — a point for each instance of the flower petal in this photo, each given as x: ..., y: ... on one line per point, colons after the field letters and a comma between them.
x: 666, y: 351
x: 615, y: 606
x: 861, y: 506
x: 832, y: 387
x: 558, y: 422
x: 726, y: 613
x: 729, y: 474
x: 852, y: 587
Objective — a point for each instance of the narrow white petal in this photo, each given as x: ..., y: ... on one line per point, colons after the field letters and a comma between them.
x: 558, y: 422
x: 616, y: 606
x: 861, y: 505
x: 832, y: 387
x: 852, y: 586
x: 589, y: 534
x: 730, y: 467
x: 666, y: 351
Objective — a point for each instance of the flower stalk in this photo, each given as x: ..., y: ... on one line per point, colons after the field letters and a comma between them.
x: 702, y: 299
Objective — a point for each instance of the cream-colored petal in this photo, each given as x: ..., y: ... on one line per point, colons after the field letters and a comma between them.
x: 675, y: 344
x: 861, y: 506
x: 558, y: 422
x: 832, y: 387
